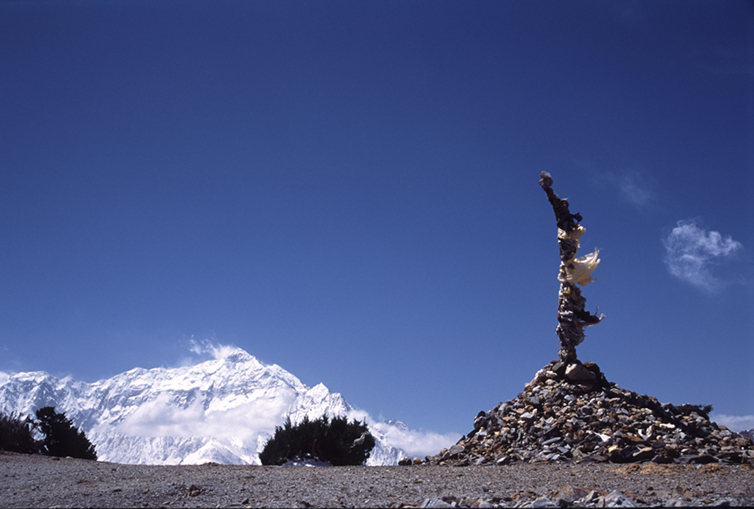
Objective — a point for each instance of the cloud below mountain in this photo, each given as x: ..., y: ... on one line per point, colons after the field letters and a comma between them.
x: 160, y: 418
x: 416, y: 443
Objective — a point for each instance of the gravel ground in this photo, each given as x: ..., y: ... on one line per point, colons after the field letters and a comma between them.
x: 40, y: 481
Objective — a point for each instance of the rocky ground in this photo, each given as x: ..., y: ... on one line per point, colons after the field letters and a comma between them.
x: 40, y: 481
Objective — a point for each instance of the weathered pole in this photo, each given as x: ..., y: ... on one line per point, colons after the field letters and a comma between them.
x: 572, y: 317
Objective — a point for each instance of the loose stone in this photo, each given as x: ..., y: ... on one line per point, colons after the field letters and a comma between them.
x: 560, y: 418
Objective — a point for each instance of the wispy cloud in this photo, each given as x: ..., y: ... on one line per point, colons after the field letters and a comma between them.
x: 691, y: 253
x: 734, y: 422
x: 200, y: 350
x: 206, y: 347
x: 634, y: 186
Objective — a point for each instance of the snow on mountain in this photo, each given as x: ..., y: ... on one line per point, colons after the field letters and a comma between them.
x: 748, y: 433
x: 222, y: 410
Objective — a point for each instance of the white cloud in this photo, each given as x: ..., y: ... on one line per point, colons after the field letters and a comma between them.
x: 633, y: 185
x: 161, y: 418
x: 691, y: 253
x: 248, y: 421
x: 242, y: 425
x: 3, y: 377
x: 635, y: 188
x: 206, y: 347
x: 734, y: 422
x: 252, y: 417
x: 413, y: 442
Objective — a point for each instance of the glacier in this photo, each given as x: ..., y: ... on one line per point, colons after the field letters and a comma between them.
x: 222, y: 410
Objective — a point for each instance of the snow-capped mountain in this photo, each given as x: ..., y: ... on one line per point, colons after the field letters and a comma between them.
x: 222, y: 410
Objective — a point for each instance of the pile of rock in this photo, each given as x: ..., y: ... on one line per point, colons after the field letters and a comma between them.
x: 571, y: 412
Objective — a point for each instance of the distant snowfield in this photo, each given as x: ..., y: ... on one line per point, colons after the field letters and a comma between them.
x: 222, y: 410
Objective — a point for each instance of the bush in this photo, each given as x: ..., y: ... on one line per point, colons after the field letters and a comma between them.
x: 61, y: 437
x: 16, y: 434
x: 337, y: 442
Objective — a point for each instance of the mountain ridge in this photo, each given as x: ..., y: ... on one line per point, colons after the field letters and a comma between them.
x: 222, y: 410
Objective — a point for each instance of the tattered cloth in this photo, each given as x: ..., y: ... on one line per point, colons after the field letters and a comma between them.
x: 580, y: 269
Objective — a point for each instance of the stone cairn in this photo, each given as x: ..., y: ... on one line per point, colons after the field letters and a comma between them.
x: 570, y: 412
x: 556, y: 419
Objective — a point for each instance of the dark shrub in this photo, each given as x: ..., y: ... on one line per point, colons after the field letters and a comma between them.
x: 337, y: 442
x: 16, y: 434
x: 62, y: 438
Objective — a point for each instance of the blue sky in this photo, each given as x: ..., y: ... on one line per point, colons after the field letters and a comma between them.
x: 349, y: 190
